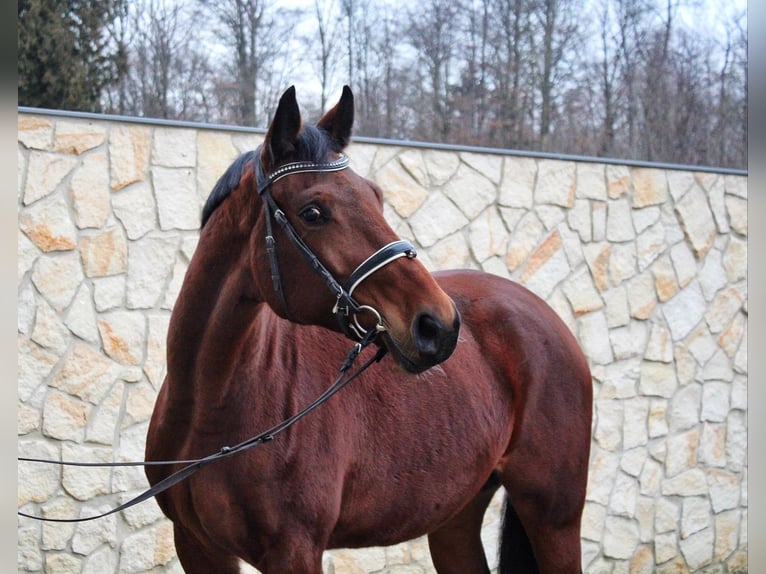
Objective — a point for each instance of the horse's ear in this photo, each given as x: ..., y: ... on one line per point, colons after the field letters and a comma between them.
x: 282, y: 134
x: 338, y: 121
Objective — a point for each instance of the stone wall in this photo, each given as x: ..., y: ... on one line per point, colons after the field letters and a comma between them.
x: 647, y: 265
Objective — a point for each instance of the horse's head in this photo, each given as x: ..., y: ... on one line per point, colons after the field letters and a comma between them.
x: 337, y: 263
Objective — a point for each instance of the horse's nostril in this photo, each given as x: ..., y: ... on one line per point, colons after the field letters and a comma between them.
x: 429, y: 332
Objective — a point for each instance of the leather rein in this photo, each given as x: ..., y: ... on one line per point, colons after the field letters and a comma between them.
x: 346, y: 309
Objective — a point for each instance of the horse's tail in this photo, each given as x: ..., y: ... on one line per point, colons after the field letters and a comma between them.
x: 516, y: 554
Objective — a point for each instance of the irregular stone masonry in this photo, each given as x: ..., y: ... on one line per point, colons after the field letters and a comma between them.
x: 647, y: 266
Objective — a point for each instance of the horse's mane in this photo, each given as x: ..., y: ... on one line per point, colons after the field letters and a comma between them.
x: 313, y: 144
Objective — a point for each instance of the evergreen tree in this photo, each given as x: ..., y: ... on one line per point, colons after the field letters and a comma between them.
x: 64, y: 58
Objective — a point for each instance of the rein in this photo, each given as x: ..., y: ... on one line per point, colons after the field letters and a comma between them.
x: 194, y: 465
x: 346, y: 309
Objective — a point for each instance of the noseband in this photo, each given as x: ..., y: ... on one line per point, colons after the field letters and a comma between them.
x: 346, y: 308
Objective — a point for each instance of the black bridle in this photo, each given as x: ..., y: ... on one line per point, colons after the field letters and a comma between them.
x: 346, y: 308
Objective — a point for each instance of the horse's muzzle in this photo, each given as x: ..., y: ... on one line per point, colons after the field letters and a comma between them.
x: 433, y: 342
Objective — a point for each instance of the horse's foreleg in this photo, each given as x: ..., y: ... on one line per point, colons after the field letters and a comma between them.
x: 196, y: 559
x: 456, y: 546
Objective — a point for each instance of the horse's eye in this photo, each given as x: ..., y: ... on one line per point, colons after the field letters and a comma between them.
x: 313, y: 215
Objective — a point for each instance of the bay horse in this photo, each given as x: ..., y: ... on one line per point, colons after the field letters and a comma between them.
x: 482, y: 385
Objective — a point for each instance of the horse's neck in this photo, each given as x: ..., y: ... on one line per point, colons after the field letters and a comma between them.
x: 212, y: 315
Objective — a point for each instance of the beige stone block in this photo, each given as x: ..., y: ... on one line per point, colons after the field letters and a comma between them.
x: 579, y: 219
x: 441, y: 166
x: 641, y: 296
x: 48, y: 224
x: 103, y: 426
x: 150, y: 264
x: 487, y: 235
x: 697, y: 549
x: 645, y: 218
x: 642, y: 561
x: 667, y: 516
x: 622, y: 262
x: 92, y: 534
x: 680, y: 182
x: 657, y: 420
x: 215, y: 153
x: 146, y: 549
x: 139, y: 404
x: 471, y: 191
x: 726, y: 535
x: 34, y: 132
x: 618, y: 182
x: 685, y: 408
x: 735, y: 260
x: 624, y: 496
x: 546, y: 267
x: 650, y: 478
x: 178, y: 205
x: 64, y: 417
x: 635, y: 432
x: 689, y: 483
x: 76, y: 137
x: 650, y: 245
x: 660, y: 345
x: 697, y: 221
x: 665, y: 282
x: 129, y: 148
x: 523, y: 239
x: 729, y: 339
x: 650, y: 186
x: 685, y: 311
x: 49, y: 332
x: 603, y: 467
x: 104, y: 252
x: 617, y: 310
x: 556, y: 182
x: 85, y: 483
x: 57, y: 277
x: 737, y: 210
x: 490, y: 166
x: 174, y: 147
x: 609, y: 424
x: 665, y: 547
x: 27, y: 419
x: 136, y: 209
x: 518, y: 184
x: 598, y: 256
x: 123, y: 336
x: 681, y: 454
x: 89, y: 189
x: 591, y: 181
x: 450, y: 253
x: 81, y: 319
x: 712, y: 450
x: 45, y: 171
x: 593, y: 518
x: 359, y: 561
x: 400, y: 189
x: 34, y: 365
x: 619, y: 223
x: 582, y: 293
x: 657, y: 379
x: 684, y: 264
x: 56, y: 536
x: 598, y: 214
x: 62, y: 563
x: 85, y: 373
x: 37, y: 482
x: 724, y: 489
x: 621, y: 537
